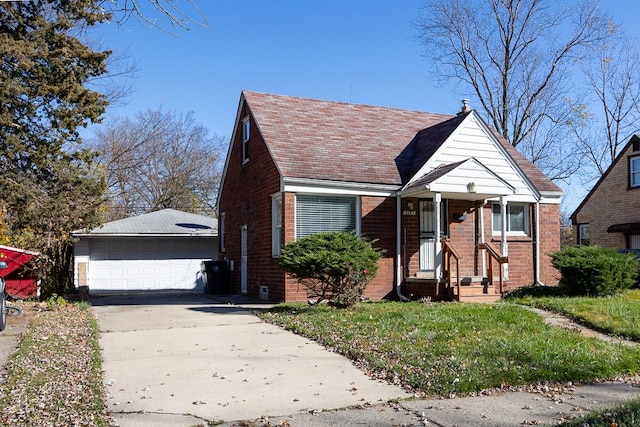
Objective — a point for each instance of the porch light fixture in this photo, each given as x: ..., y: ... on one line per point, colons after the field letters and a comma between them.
x: 471, y: 187
x: 459, y: 217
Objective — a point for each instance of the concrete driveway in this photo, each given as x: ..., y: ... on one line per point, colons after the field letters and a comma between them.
x: 185, y: 359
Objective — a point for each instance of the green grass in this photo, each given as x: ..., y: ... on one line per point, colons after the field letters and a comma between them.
x: 616, y: 315
x: 439, y: 349
x: 625, y: 415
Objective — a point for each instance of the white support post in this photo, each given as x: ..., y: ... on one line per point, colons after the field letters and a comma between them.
x: 504, y: 247
x: 437, y: 200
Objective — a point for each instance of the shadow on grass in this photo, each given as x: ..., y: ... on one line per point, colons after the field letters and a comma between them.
x: 535, y: 291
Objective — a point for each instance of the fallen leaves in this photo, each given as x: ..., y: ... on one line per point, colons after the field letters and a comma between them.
x: 54, y: 377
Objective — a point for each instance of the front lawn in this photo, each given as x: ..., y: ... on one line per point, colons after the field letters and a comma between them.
x: 439, y: 349
x: 616, y: 315
x: 624, y: 415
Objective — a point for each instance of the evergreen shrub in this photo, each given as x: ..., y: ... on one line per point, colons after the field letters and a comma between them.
x: 594, y: 271
x: 333, y: 266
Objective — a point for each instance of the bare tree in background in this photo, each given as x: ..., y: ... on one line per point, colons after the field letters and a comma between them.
x: 159, y: 160
x: 517, y: 58
x: 182, y: 14
x: 604, y: 125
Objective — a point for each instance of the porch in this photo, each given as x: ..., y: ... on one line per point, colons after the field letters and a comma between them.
x: 453, y: 286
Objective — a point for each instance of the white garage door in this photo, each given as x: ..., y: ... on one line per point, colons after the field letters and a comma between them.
x: 134, y: 264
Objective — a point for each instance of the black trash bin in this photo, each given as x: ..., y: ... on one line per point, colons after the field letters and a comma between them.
x: 214, y: 273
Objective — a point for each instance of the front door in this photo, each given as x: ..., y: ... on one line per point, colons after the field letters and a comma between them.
x: 427, y: 236
x: 243, y: 259
x: 429, y: 244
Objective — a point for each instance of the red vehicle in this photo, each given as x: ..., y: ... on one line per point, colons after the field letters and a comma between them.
x: 3, y: 300
x: 20, y: 280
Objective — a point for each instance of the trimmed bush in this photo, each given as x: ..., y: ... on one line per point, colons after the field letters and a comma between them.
x: 334, y: 266
x: 594, y: 271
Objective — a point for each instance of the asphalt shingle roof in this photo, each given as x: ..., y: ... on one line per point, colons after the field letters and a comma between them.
x: 163, y: 222
x: 338, y: 141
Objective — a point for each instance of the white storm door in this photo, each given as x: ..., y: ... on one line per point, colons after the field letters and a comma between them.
x: 427, y: 236
x: 243, y: 259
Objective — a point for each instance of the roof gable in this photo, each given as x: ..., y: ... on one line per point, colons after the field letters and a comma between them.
x: 623, y: 154
x: 163, y: 222
x: 472, y: 137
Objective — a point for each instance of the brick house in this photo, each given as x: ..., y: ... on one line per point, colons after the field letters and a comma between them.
x: 609, y: 215
x: 430, y: 188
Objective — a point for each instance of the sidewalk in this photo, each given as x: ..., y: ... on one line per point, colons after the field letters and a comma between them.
x: 193, y: 361
x: 507, y: 409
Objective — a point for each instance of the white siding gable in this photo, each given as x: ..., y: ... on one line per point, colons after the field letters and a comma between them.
x: 472, y: 139
x: 471, y: 171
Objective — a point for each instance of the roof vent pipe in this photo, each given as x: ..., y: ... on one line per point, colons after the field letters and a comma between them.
x: 465, y: 107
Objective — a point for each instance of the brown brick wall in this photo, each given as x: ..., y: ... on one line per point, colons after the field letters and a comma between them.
x: 246, y: 199
x: 379, y: 223
x: 549, y: 242
x: 611, y: 202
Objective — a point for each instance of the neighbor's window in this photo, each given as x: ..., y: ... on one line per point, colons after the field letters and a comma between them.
x: 634, y: 172
x: 583, y: 234
x: 517, y: 218
x: 276, y: 225
x: 315, y: 213
x: 245, y: 139
x: 634, y: 241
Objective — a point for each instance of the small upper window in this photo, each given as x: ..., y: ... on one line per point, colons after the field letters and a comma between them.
x: 583, y: 234
x: 634, y: 172
x: 245, y: 139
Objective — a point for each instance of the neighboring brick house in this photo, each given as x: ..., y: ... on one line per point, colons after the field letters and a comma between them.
x: 422, y: 185
x: 609, y: 215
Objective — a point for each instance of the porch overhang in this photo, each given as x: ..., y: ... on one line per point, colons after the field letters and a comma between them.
x: 465, y: 180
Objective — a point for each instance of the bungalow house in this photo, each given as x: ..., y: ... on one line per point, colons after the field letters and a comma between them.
x: 609, y: 215
x: 455, y: 207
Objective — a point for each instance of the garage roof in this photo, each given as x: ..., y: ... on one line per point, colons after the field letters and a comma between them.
x: 166, y: 222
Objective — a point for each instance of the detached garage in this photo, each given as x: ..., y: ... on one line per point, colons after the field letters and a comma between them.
x: 161, y: 250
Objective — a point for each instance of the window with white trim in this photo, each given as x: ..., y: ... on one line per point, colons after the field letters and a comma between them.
x: 634, y: 171
x: 583, y: 234
x: 246, y: 127
x: 316, y: 213
x: 222, y: 230
x: 276, y: 225
x: 517, y: 218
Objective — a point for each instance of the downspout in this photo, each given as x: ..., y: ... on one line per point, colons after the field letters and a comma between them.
x: 398, y: 246
x: 536, y: 272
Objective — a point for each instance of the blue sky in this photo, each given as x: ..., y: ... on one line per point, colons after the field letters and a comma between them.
x: 340, y: 50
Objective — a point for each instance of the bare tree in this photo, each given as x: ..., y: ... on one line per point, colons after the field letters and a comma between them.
x: 603, y: 126
x: 181, y: 14
x: 159, y: 160
x: 516, y: 57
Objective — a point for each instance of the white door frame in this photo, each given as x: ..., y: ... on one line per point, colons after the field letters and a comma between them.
x: 430, y: 246
x: 243, y: 259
